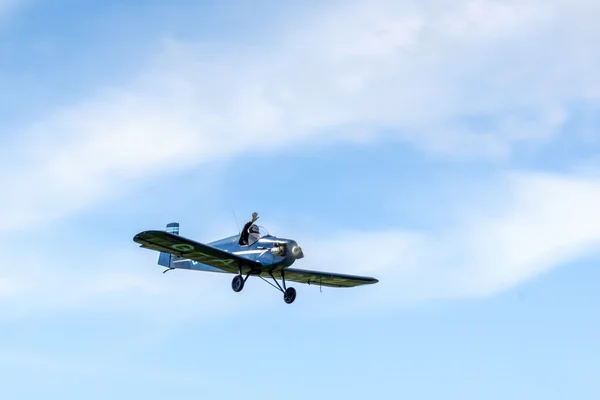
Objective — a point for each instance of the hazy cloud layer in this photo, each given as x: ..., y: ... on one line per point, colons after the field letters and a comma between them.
x: 420, y: 72
x: 8, y: 6
x: 469, y: 79
x: 536, y: 222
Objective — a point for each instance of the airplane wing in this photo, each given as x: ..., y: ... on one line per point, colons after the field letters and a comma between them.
x: 326, y: 278
x: 186, y: 248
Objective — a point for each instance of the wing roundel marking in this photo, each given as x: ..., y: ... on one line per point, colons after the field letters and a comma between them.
x: 182, y: 247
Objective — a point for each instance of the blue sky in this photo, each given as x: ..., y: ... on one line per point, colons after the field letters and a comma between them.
x: 449, y: 149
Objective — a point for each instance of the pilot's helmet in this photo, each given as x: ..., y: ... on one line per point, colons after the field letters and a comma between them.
x: 254, y: 229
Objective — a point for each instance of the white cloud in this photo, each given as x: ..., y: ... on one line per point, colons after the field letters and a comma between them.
x: 7, y: 7
x: 417, y: 68
x: 535, y: 223
x: 552, y: 220
x: 119, y: 280
x: 9, y: 288
x: 529, y: 224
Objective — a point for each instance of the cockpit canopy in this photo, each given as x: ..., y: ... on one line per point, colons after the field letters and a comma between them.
x: 256, y: 233
x: 252, y: 235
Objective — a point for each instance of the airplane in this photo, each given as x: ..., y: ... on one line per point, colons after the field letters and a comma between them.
x: 253, y: 252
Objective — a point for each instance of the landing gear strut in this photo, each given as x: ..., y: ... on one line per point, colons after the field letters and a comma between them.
x: 289, y: 294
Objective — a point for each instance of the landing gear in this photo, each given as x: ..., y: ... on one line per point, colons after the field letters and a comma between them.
x: 289, y: 295
x: 237, y: 284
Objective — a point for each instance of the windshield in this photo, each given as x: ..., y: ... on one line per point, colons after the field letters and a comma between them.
x: 263, y: 231
x: 254, y: 236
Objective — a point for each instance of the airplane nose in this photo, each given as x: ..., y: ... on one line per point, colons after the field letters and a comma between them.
x: 297, y: 252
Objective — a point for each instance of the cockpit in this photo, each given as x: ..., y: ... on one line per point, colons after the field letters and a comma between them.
x: 254, y: 234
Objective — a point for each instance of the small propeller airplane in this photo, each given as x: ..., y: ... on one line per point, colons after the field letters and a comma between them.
x: 253, y: 252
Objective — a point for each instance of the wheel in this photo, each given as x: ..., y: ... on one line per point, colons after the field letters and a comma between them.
x: 289, y: 295
x: 237, y: 284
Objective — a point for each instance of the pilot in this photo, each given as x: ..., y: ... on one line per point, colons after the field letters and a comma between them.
x: 254, y: 234
x: 250, y: 231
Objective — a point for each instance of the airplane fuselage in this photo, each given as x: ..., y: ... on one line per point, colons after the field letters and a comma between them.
x: 272, y: 253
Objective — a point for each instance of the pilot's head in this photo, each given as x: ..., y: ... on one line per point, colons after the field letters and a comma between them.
x: 254, y: 229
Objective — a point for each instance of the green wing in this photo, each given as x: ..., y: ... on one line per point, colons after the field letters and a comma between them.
x: 205, y: 254
x: 186, y: 248
x: 326, y: 278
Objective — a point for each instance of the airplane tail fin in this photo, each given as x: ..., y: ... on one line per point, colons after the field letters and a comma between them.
x: 164, y: 259
x: 173, y: 228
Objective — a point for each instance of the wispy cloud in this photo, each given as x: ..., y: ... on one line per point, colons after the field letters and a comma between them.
x: 415, y: 71
x: 530, y: 224
x: 9, y: 6
x: 120, y: 280
x: 419, y: 71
